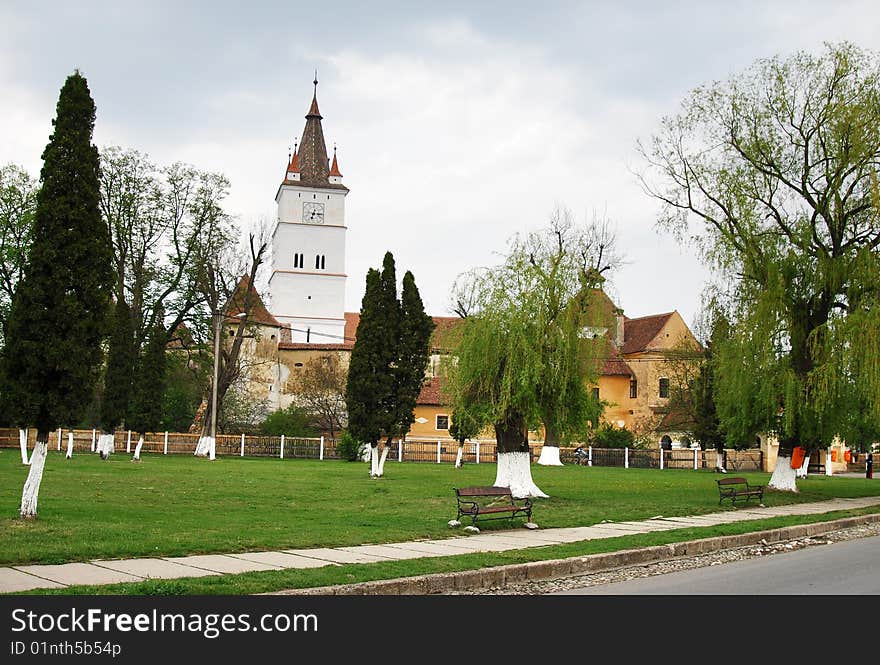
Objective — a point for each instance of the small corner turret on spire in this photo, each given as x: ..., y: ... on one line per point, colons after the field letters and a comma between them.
x: 334, y: 169
x: 292, y: 173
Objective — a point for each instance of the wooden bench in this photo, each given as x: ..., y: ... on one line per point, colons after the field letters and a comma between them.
x: 738, y: 488
x: 478, y: 501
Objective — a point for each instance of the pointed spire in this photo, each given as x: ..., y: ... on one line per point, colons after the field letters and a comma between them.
x: 313, y: 109
x: 334, y: 169
x: 309, y: 159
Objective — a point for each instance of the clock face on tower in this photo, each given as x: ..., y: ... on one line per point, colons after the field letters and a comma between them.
x: 313, y: 213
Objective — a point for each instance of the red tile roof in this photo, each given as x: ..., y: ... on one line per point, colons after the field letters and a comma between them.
x: 430, y: 394
x: 245, y: 297
x: 616, y: 365
x: 334, y: 168
x: 638, y: 333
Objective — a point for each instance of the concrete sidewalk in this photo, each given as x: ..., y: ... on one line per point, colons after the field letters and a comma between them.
x: 106, y: 571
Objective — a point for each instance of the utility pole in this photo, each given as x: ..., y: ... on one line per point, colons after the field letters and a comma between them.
x: 217, y: 318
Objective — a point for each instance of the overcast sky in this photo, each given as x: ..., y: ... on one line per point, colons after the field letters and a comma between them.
x: 457, y: 123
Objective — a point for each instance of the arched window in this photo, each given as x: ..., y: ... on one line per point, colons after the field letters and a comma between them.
x: 666, y: 442
x: 317, y: 261
x: 322, y: 261
x: 296, y: 260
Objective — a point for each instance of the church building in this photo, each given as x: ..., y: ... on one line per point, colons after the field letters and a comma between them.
x: 305, y: 319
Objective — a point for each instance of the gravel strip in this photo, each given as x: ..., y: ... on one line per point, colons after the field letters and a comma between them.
x: 539, y: 587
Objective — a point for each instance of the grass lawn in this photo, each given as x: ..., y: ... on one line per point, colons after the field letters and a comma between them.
x: 175, y: 505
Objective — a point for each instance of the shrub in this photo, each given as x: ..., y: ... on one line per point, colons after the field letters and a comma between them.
x: 609, y: 436
x: 292, y: 421
x: 349, y: 448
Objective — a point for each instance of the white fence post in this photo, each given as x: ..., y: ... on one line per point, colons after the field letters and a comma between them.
x: 321, y: 452
x: 590, y: 456
x: 242, y: 445
x: 695, y: 459
x: 438, y: 452
x: 128, y: 443
x: 282, y: 446
x: 70, y: 444
x: 59, y: 438
x: 165, y: 445
x: 626, y: 458
x: 93, y: 440
x: 661, y: 459
x: 478, y: 444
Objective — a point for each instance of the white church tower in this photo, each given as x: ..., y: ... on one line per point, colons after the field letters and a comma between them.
x: 307, y: 285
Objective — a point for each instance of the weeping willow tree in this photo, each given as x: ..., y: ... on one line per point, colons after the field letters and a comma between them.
x: 774, y: 173
x: 530, y: 346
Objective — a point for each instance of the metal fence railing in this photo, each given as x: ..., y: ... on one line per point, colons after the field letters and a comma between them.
x: 407, y: 450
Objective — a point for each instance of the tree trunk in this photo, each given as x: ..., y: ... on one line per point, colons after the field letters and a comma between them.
x: 204, y: 446
x: 385, y: 450
x: 22, y: 443
x: 514, y: 468
x: 137, y: 449
x: 783, y: 477
x: 458, y: 455
x: 550, y: 450
x: 35, y: 476
x: 106, y: 445
x: 719, y: 460
x: 802, y: 471
x: 374, y: 460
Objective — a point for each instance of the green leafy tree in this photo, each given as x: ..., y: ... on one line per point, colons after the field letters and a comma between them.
x: 528, y: 327
x: 121, y: 362
x: 777, y: 170
x: 464, y: 426
x: 145, y: 414
x: 185, y: 385
x: 18, y: 202
x: 52, y: 355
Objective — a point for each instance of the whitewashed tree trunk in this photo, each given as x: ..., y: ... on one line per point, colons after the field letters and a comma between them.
x: 69, y: 445
x: 22, y: 443
x: 106, y: 445
x: 549, y: 456
x: 203, y: 447
x: 382, y: 461
x: 458, y: 455
x: 514, y: 471
x: 783, y: 477
x: 802, y: 472
x: 35, y: 476
x: 137, y: 449
x: 374, y: 461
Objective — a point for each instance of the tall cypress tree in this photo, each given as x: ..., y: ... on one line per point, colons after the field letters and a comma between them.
x: 389, y: 312
x: 413, y: 348
x: 121, y: 358
x: 367, y: 386
x: 53, y: 346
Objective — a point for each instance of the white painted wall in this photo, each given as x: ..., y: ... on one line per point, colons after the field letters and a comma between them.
x: 306, y: 297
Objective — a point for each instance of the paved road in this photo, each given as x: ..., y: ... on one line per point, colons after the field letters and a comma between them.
x: 846, y: 568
